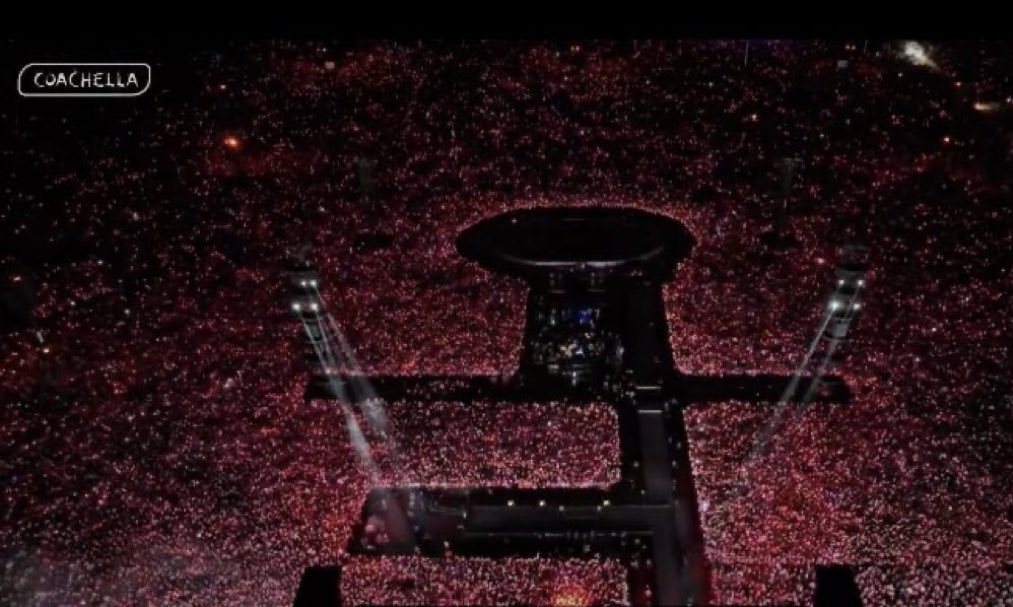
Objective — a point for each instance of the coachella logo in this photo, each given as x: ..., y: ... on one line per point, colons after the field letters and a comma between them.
x: 84, y: 79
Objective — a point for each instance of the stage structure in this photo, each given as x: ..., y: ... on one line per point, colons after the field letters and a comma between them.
x: 596, y: 330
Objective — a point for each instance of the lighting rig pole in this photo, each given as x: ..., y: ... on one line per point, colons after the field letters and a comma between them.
x: 843, y: 307
x: 336, y: 376
x: 779, y: 235
x: 839, y: 314
x: 364, y: 171
x: 789, y: 168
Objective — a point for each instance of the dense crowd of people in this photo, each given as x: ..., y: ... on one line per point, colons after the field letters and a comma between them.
x: 501, y: 445
x: 935, y: 585
x: 762, y: 583
x: 157, y: 446
x: 480, y: 581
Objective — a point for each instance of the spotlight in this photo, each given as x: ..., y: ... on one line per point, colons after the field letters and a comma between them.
x: 296, y: 307
x: 834, y: 305
x: 917, y: 54
x: 986, y: 106
x: 314, y: 306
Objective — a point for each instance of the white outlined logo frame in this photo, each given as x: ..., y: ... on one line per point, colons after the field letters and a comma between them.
x: 21, y: 74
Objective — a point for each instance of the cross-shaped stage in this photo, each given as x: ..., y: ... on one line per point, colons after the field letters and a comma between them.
x: 596, y: 331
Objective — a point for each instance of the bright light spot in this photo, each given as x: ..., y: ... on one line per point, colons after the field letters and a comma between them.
x: 834, y: 304
x: 856, y: 306
x: 946, y: 139
x: 840, y: 282
x: 541, y: 502
x: 510, y: 502
x: 313, y: 283
x: 302, y: 283
x: 314, y: 306
x: 571, y: 596
x: 917, y: 54
x: 861, y: 282
x: 296, y: 307
x: 232, y: 142
x: 986, y: 106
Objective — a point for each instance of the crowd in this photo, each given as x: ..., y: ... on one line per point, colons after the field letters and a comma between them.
x: 935, y: 585
x: 745, y: 583
x: 156, y: 446
x: 482, y: 581
x: 501, y: 445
